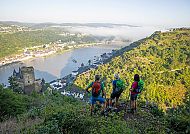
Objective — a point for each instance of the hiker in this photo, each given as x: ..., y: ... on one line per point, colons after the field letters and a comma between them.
x: 135, y: 89
x: 97, y: 88
x: 118, y: 87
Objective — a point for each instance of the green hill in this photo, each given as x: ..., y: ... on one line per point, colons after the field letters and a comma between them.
x: 163, y: 62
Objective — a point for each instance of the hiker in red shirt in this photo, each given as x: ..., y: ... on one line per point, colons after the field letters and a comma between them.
x: 133, y: 96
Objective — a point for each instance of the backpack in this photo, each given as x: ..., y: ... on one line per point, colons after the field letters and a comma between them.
x: 96, y: 89
x: 119, y: 86
x: 140, y: 87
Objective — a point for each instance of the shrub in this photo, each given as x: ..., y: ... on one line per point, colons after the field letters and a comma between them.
x: 11, y: 103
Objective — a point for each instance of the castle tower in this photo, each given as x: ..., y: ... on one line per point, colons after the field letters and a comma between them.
x: 25, y: 78
x: 27, y: 74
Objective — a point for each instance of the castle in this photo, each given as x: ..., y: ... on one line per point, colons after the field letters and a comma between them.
x: 26, y: 80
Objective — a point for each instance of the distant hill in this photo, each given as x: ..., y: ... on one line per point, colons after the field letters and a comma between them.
x: 15, y: 36
x: 16, y: 23
x: 48, y: 24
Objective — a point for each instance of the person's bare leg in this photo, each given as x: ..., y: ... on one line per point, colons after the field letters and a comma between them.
x: 135, y: 105
x: 117, y: 102
x: 104, y: 107
x: 110, y: 102
x: 132, y: 106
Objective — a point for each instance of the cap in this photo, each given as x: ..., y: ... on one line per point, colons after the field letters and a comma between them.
x: 116, y: 76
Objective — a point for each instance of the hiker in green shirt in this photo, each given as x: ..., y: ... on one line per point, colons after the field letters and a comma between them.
x: 118, y: 87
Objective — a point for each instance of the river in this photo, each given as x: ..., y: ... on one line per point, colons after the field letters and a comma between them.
x: 59, y: 65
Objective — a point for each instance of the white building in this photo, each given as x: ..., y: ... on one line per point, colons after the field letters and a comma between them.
x: 56, y: 85
x: 74, y: 73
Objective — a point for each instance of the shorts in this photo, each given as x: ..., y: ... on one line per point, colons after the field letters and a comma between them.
x: 94, y: 99
x: 115, y: 95
x: 133, y: 97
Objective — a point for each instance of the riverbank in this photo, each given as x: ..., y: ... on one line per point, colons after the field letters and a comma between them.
x: 26, y: 55
x: 56, y: 49
x: 60, y: 64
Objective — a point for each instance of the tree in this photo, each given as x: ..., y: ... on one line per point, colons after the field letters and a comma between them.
x: 82, y: 65
x: 11, y: 103
x: 14, y: 85
x: 89, y: 62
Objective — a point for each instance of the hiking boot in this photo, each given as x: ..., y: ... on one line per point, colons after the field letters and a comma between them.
x: 115, y: 109
x: 110, y: 107
x: 132, y: 111
x: 92, y: 113
x: 103, y: 112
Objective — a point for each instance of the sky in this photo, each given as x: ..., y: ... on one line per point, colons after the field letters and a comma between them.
x: 135, y: 12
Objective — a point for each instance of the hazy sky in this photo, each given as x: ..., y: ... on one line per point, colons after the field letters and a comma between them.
x: 136, y: 12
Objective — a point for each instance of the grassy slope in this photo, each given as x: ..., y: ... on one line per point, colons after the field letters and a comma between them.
x: 58, y: 114
x: 162, y: 60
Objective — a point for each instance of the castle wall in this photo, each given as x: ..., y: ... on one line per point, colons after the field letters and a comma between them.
x: 38, y: 85
x: 29, y: 88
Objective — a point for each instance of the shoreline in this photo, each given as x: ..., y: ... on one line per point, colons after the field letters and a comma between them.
x: 61, y: 51
x: 118, y: 52
x: 117, y: 46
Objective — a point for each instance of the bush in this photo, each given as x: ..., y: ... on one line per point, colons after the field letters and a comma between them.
x: 179, y: 124
x: 156, y: 111
x: 11, y: 103
x: 77, y: 123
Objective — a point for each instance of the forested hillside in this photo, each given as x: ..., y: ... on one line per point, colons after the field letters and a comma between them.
x: 52, y: 114
x: 14, y: 42
x: 163, y: 62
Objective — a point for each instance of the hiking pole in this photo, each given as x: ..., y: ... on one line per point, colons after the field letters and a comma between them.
x: 126, y: 102
x: 86, y: 94
x: 129, y: 99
